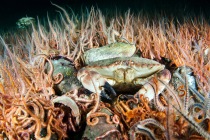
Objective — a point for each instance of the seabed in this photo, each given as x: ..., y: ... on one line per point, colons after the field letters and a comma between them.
x: 41, y: 98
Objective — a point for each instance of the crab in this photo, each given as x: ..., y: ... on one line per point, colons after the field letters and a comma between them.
x: 24, y: 22
x: 115, y: 68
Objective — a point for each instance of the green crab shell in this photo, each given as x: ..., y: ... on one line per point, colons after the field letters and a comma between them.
x: 127, y: 72
x: 142, y: 67
x: 118, y: 49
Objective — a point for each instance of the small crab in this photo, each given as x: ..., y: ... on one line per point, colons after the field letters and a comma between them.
x: 114, y: 68
x: 24, y: 22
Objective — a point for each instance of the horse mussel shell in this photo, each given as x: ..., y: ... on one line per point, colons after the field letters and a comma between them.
x: 64, y: 66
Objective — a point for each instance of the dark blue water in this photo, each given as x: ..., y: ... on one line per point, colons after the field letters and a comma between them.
x: 12, y: 10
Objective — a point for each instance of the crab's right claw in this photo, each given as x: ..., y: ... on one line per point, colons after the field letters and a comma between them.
x: 94, y: 82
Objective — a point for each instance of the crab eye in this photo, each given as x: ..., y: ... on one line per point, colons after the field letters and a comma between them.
x: 117, y: 63
x: 131, y: 62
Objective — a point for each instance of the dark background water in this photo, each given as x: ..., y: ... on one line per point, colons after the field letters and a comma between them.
x: 12, y: 10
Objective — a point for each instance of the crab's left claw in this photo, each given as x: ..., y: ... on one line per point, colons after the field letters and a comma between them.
x: 94, y: 82
x: 156, y: 86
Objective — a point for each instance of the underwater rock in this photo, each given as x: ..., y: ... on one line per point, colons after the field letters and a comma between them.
x: 102, y: 130
x: 180, y: 77
x: 183, y: 72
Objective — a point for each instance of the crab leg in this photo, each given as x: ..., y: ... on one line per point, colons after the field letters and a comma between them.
x: 94, y: 82
x: 154, y: 87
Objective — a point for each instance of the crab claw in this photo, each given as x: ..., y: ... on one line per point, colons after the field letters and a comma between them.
x: 111, y: 91
x: 94, y: 82
x: 155, y: 87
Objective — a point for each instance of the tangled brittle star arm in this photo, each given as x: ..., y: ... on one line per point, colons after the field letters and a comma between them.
x: 53, y: 79
x: 116, y: 119
x: 39, y: 117
x: 112, y: 131
x: 74, y: 95
x: 58, y: 78
x: 26, y: 127
x: 36, y: 119
x: 57, y: 122
x: 93, y: 119
x: 97, y: 103
x: 142, y: 130
x: 198, y: 111
x: 198, y: 95
x: 65, y: 100
x: 145, y: 103
x: 49, y: 131
x: 140, y: 127
x: 172, y: 93
x: 125, y: 110
x: 193, y: 124
x: 50, y: 78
